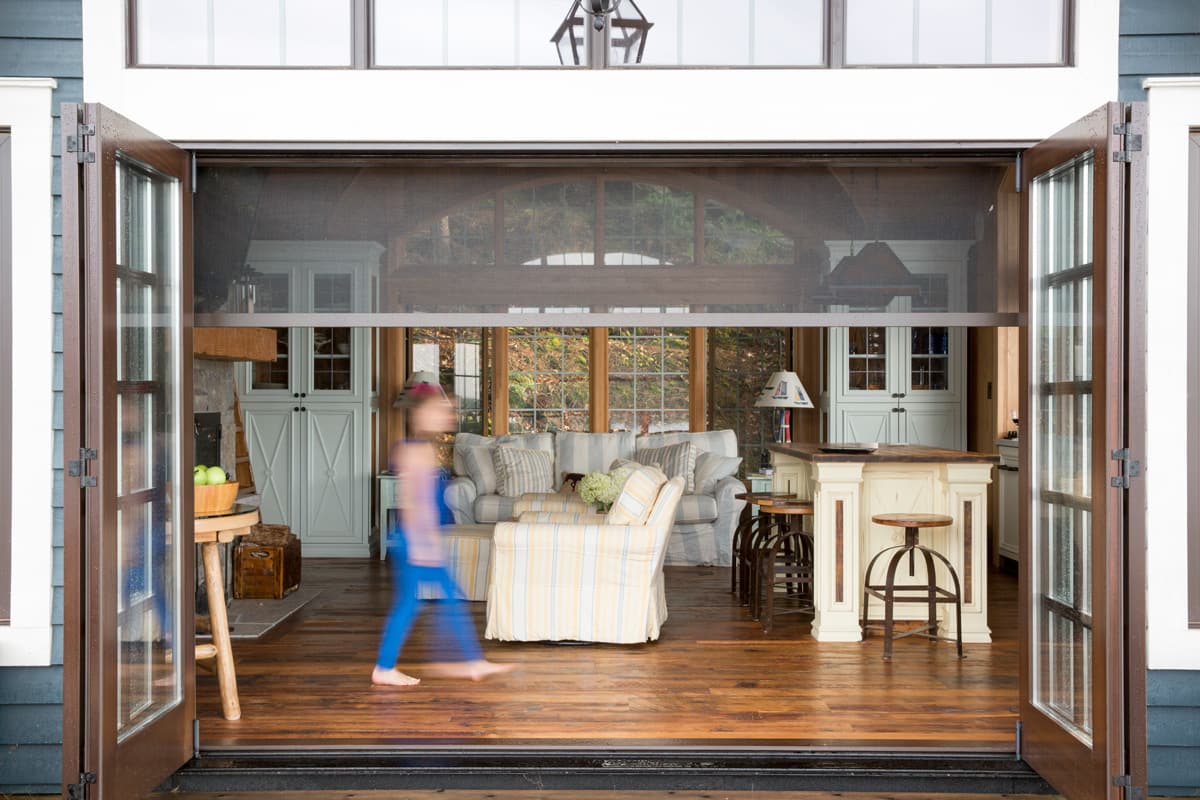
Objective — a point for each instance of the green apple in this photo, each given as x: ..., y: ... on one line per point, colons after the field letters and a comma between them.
x: 199, y: 468
x: 216, y: 476
x: 200, y: 477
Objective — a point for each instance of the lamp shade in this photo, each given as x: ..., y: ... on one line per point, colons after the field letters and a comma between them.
x: 416, y: 379
x: 784, y: 390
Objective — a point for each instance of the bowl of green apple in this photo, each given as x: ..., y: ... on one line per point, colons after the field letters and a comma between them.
x: 215, y: 493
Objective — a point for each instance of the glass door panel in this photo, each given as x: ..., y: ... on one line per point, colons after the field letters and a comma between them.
x: 866, y: 356
x: 149, y: 680
x: 929, y: 359
x: 1061, y: 390
x: 332, y: 359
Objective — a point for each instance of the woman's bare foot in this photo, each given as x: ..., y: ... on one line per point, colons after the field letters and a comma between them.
x: 392, y: 677
x: 474, y: 670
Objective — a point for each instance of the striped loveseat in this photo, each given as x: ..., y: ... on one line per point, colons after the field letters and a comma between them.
x: 704, y: 521
x: 568, y: 577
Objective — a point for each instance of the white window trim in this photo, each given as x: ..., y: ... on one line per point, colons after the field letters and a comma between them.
x: 25, y: 110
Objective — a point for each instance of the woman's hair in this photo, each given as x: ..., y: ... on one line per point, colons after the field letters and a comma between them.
x: 414, y: 397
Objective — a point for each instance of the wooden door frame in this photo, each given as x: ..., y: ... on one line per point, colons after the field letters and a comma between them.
x: 1119, y: 389
x: 89, y: 687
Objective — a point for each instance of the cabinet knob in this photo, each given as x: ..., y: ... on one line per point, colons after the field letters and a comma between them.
x: 304, y: 394
x: 296, y: 394
x: 296, y: 408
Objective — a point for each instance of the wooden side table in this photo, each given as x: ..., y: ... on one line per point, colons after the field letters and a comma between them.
x: 211, y: 531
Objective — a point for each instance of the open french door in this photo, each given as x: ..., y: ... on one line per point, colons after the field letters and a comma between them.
x: 1076, y: 634
x: 129, y: 657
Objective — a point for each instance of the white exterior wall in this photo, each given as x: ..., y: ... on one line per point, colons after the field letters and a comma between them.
x: 1174, y: 111
x: 25, y: 111
x: 656, y: 105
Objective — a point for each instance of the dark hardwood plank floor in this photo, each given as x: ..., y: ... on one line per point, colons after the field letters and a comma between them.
x: 712, y: 679
x: 492, y: 794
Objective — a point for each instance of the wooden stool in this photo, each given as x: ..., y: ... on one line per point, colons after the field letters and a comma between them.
x: 739, y: 574
x: 782, y: 556
x: 928, y: 593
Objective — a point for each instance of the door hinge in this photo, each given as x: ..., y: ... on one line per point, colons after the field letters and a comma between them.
x: 78, y: 791
x: 80, y: 144
x: 78, y: 467
x: 1130, y: 468
x: 1126, y: 782
x: 1131, y: 145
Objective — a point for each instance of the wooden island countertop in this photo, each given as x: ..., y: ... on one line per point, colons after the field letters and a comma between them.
x: 887, y: 453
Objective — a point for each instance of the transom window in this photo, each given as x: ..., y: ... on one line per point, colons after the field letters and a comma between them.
x: 540, y: 33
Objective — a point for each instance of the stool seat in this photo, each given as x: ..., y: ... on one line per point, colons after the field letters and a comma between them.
x: 789, y: 509
x: 758, y: 498
x: 913, y: 520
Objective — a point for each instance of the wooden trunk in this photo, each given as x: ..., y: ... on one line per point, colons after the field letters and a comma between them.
x: 266, y: 564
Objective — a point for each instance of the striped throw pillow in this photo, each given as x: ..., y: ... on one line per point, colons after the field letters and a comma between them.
x: 676, y: 460
x: 521, y: 472
x: 636, y: 500
x: 481, y: 467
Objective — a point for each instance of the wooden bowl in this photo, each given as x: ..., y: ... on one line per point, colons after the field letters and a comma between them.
x: 215, y: 499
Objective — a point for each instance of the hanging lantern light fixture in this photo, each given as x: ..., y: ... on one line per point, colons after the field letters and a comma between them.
x: 602, y: 32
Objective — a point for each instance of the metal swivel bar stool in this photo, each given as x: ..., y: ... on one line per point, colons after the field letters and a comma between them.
x: 747, y: 532
x: 928, y: 593
x: 782, y: 555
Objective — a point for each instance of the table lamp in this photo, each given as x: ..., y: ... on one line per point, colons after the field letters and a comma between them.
x: 784, y: 391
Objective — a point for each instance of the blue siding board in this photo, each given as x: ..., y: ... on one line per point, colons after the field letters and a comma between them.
x: 1160, y: 55
x: 1174, y: 726
x: 41, y: 19
x: 1173, y: 687
x: 56, y: 603
x: 31, y: 768
x: 1159, y: 16
x: 22, y: 684
x: 1175, y: 767
x: 30, y: 724
x: 41, y: 57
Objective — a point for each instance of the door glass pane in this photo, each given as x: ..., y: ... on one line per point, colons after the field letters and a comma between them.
x: 867, y: 359
x: 275, y: 374
x: 148, y: 455
x: 1061, y: 403
x: 332, y: 359
x: 930, y: 359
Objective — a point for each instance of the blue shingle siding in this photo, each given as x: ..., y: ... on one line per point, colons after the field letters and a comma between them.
x: 1158, y: 37
x: 1173, y: 731
x: 42, y: 38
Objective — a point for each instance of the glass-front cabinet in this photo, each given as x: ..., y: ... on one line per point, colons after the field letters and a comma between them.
x: 306, y: 413
x: 902, y: 385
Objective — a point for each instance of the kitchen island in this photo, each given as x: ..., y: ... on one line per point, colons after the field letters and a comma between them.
x: 848, y: 488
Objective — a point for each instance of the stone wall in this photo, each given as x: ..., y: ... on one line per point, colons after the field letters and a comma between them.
x: 213, y: 391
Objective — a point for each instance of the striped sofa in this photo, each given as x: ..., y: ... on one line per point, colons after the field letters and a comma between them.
x: 558, y: 576
x: 704, y: 523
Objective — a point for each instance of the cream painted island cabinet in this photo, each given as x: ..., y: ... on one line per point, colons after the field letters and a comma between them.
x: 847, y: 489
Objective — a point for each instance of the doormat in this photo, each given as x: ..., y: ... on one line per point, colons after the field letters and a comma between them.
x: 250, y: 619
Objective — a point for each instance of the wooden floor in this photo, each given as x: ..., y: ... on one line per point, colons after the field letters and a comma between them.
x: 532, y: 794
x: 712, y: 679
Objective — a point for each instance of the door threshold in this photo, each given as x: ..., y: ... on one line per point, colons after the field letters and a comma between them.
x: 612, y: 768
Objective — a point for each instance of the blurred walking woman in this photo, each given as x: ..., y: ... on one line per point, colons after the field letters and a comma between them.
x: 417, y: 556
